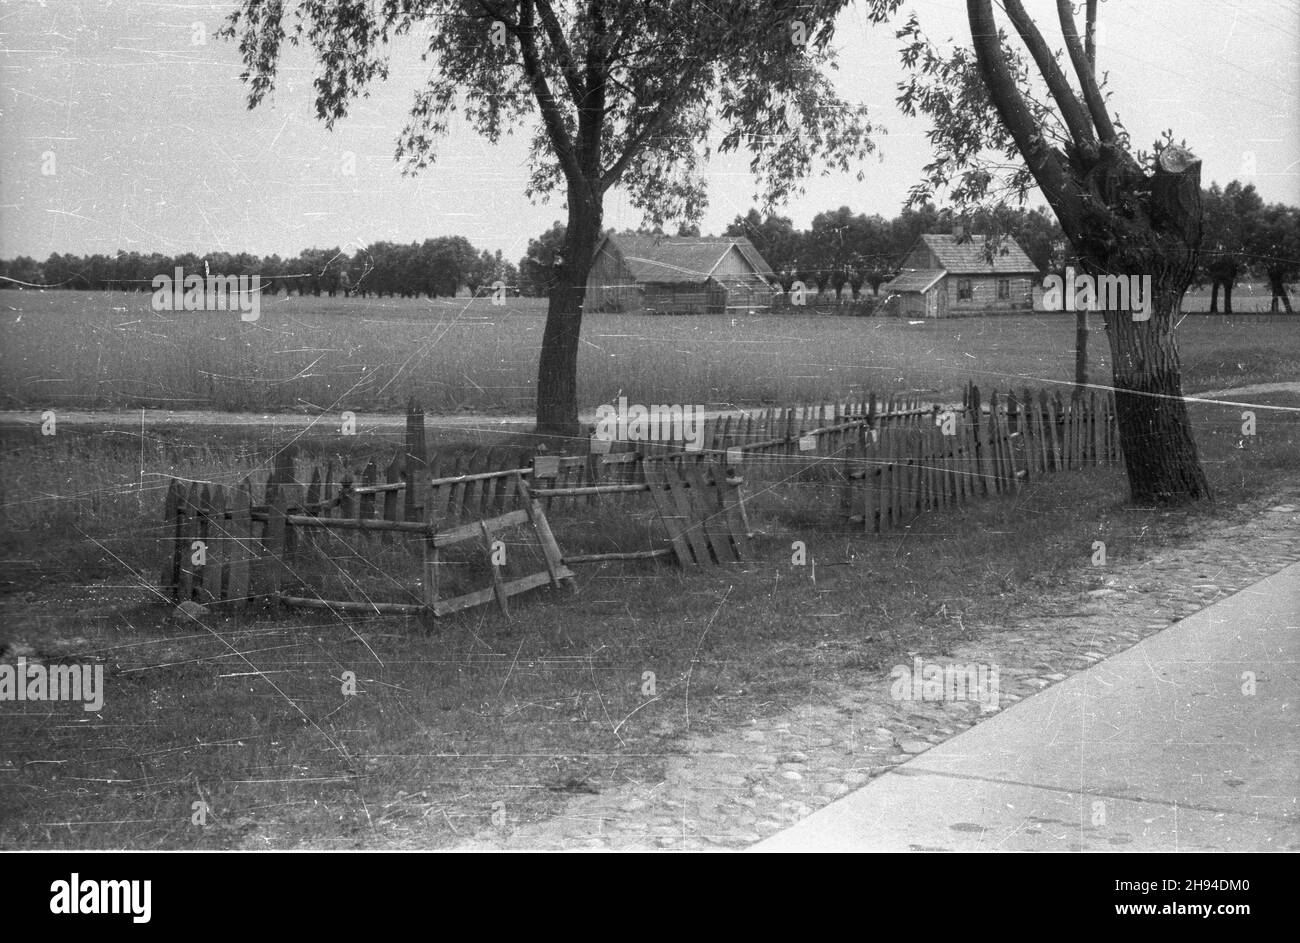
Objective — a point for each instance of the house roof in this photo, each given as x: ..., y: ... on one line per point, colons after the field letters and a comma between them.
x: 968, y: 258
x: 678, y: 259
x: 919, y: 279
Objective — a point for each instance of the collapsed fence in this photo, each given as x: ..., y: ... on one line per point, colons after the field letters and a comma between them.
x: 892, y: 459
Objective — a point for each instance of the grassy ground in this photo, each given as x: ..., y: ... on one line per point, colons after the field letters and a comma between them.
x: 482, y: 716
x: 67, y: 349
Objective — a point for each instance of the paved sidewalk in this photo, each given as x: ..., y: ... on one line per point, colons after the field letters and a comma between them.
x: 1154, y: 749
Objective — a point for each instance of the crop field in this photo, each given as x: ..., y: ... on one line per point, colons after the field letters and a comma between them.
x: 100, y: 350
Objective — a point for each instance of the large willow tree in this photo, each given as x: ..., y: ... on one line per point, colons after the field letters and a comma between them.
x: 1124, y: 213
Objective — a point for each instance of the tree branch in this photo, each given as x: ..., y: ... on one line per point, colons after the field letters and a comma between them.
x: 648, y: 130
x: 1085, y: 68
x: 563, y: 54
x: 1090, y: 35
x: 591, y: 114
x: 1044, y: 163
x: 1072, y: 113
x: 552, y: 117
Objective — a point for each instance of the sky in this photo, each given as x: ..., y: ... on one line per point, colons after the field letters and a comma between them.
x: 123, y: 125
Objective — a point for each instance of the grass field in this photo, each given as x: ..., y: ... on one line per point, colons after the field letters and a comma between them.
x: 481, y: 714
x: 87, y: 349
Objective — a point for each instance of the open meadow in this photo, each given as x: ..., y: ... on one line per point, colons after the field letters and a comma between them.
x: 101, y: 350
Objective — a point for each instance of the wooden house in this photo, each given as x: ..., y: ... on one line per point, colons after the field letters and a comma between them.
x: 949, y: 275
x: 678, y: 275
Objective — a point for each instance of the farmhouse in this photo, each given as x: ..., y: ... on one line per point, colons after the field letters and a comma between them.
x: 943, y: 276
x: 678, y: 275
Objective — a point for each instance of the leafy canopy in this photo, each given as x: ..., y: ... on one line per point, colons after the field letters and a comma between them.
x: 611, y: 91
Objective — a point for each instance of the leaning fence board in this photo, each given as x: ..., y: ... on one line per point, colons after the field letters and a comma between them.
x: 714, y: 531
x: 668, y: 513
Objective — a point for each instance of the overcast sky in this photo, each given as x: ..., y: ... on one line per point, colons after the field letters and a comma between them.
x: 154, y: 149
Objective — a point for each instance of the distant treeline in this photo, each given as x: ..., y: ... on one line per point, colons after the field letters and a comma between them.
x: 435, y: 268
x: 839, y: 250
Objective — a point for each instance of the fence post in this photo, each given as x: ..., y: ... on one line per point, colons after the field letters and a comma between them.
x: 415, y: 462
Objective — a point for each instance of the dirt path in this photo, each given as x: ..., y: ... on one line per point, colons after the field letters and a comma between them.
x: 210, y: 417
x: 1287, y: 386
x: 734, y: 788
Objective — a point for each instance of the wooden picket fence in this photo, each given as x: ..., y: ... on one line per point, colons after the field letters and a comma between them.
x: 891, y: 454
x: 892, y: 476
x: 226, y: 549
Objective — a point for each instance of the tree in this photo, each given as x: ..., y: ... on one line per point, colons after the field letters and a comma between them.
x: 1232, y: 215
x: 537, y: 267
x: 621, y: 93
x: 1124, y: 214
x: 1276, y: 244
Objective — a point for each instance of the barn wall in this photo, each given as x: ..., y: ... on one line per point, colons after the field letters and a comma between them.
x: 684, y: 298
x: 610, y: 285
x: 733, y: 264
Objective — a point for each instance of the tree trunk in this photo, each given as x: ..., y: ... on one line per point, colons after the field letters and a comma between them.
x: 1155, y: 429
x: 557, y: 368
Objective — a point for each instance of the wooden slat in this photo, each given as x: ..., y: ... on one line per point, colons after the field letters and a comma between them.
x: 708, y: 508
x: 171, y: 573
x: 415, y: 464
x: 202, y: 534
x: 456, y: 490
x: 471, y: 498
x: 668, y: 513
x: 188, y: 533
x: 512, y: 588
x: 366, y: 505
x: 348, y: 605
x: 870, y: 452
x: 438, y: 493
x: 1051, y: 438
x: 346, y: 505
x: 244, y: 548
x: 392, y: 499
x: 682, y: 498
x: 465, y: 532
x: 219, y: 547
x: 537, y: 517
x: 273, y: 540
x: 498, y: 584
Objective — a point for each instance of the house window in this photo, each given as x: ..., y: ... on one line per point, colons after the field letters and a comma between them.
x: 963, y: 289
x: 1004, y: 289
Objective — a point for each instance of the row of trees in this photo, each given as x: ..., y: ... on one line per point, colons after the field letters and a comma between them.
x: 841, y: 251
x: 436, y: 268
x: 1244, y: 236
